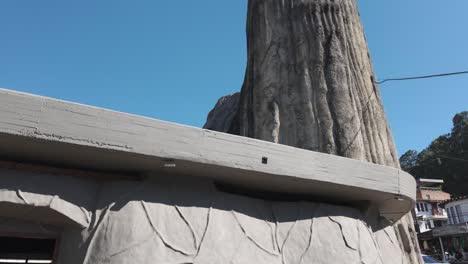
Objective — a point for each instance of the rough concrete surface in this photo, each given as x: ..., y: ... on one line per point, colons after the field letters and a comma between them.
x: 44, y: 130
x: 310, y: 84
x: 178, y: 214
x: 187, y: 220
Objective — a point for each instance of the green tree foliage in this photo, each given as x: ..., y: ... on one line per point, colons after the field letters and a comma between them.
x: 409, y: 160
x: 445, y: 158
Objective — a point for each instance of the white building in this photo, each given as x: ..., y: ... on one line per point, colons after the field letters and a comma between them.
x: 457, y: 210
x: 429, y: 213
x: 454, y: 236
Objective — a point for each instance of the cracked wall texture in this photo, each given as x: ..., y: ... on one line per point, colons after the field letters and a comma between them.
x: 310, y: 84
x: 186, y: 220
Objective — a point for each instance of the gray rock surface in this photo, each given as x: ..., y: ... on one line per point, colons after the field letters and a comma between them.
x: 220, y: 118
x: 310, y: 84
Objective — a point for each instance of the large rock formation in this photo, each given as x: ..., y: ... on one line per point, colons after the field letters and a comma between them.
x: 220, y: 118
x: 310, y: 84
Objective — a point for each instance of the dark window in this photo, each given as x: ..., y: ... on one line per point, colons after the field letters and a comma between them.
x: 449, y: 214
x: 417, y: 206
x: 454, y: 215
x: 26, y: 250
x: 459, y: 213
x: 425, y: 208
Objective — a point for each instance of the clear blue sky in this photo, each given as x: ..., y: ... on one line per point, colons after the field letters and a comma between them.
x: 172, y: 60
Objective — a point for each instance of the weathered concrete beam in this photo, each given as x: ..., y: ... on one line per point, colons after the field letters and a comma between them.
x: 44, y: 130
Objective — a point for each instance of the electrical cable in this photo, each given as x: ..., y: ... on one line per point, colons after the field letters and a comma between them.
x: 423, y: 77
x: 451, y: 158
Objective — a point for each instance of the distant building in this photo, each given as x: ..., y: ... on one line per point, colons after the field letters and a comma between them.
x: 454, y: 236
x: 457, y: 210
x: 429, y: 214
x: 441, y: 220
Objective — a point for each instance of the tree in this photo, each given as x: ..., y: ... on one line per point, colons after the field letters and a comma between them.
x: 446, y: 157
x: 409, y: 160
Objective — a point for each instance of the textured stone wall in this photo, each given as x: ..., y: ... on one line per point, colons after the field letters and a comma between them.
x: 192, y: 222
x: 186, y: 220
x: 310, y: 84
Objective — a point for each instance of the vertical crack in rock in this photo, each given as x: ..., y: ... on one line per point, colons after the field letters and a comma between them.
x: 288, y: 232
x: 251, y: 238
x: 286, y: 240
x: 275, y: 219
x: 361, y: 124
x: 405, y: 239
x: 159, y: 234
x: 51, y: 201
x: 342, y: 234
x: 268, y: 218
x: 87, y: 214
x: 192, y: 231
x: 310, y: 240
x: 208, y: 218
x: 389, y: 237
x: 376, y: 244
x: 21, y: 196
x: 359, y: 245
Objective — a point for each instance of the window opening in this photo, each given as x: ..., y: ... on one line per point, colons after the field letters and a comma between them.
x: 26, y: 250
x: 459, y: 213
x: 454, y: 215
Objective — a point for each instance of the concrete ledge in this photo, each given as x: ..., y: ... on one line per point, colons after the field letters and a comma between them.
x: 450, y: 230
x: 39, y: 129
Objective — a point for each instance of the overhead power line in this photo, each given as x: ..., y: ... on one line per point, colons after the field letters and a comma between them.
x: 423, y: 77
x: 452, y: 158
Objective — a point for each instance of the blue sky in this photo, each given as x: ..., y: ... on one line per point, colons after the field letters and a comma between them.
x: 172, y: 60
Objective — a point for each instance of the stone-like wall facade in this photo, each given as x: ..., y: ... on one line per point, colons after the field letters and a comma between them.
x: 180, y: 220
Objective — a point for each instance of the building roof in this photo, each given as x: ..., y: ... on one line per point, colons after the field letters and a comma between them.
x: 429, y: 182
x: 454, y: 199
x: 47, y: 131
x: 450, y: 230
x: 432, y: 195
x: 424, y: 180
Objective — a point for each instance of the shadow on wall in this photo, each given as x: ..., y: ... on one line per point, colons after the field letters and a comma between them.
x: 187, y: 220
x: 181, y: 220
x: 180, y: 192
x: 52, y: 199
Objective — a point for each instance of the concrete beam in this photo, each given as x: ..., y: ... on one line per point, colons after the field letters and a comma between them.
x: 43, y: 130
